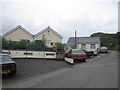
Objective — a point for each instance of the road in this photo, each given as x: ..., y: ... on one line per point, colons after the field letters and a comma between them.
x: 98, y: 72
x: 27, y: 68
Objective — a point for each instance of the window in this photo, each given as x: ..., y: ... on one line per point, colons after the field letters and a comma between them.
x: 50, y: 54
x: 83, y: 46
x: 28, y: 53
x: 93, y: 46
x: 77, y: 51
x: 48, y: 43
x: 7, y: 53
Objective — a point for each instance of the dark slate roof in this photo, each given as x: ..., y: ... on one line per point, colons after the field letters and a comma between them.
x: 18, y: 27
x: 48, y: 28
x: 83, y: 40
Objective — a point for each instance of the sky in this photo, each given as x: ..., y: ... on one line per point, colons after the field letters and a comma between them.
x: 63, y: 16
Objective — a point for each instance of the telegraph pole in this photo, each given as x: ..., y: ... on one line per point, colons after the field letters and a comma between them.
x: 75, y: 40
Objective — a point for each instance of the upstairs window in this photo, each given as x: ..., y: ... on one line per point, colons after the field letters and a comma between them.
x: 48, y: 43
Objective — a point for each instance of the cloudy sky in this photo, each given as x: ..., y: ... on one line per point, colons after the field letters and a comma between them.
x: 64, y: 16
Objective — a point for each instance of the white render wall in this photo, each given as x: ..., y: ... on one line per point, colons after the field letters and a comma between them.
x: 17, y: 35
x: 88, y: 46
x: 49, y: 36
x: 35, y: 54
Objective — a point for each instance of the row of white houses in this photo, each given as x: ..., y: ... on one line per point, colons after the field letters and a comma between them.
x: 51, y: 36
x: 19, y: 33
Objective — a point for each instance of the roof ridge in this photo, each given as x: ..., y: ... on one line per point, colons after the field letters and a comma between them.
x: 55, y: 32
x: 26, y: 30
x: 84, y: 37
x: 47, y: 29
x: 17, y: 27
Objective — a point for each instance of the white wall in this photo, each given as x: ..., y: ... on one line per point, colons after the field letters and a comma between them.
x: 32, y: 54
x: 48, y: 36
x: 17, y: 35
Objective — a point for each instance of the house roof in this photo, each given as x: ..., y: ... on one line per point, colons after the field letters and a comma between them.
x: 48, y: 28
x: 18, y: 27
x: 83, y: 40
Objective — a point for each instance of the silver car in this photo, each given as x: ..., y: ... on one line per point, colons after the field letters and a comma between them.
x: 103, y: 50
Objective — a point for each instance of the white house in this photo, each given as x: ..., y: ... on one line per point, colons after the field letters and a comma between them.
x: 17, y: 34
x: 50, y: 36
x: 90, y: 43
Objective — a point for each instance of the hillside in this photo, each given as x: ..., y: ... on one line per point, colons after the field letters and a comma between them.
x: 112, y: 41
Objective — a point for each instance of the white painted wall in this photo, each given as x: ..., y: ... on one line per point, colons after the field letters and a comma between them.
x: 18, y: 35
x: 35, y: 54
x: 49, y: 36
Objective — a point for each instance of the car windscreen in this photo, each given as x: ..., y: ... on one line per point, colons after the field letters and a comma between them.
x: 5, y: 58
x: 77, y: 51
x: 87, y: 50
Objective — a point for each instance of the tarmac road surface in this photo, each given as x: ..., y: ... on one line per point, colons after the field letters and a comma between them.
x: 98, y: 72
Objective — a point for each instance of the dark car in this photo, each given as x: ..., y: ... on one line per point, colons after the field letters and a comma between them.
x: 76, y: 54
x: 103, y: 50
x: 89, y: 52
x: 7, y: 65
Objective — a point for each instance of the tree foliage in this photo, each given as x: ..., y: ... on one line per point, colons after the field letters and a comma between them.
x: 59, y: 47
x: 112, y: 41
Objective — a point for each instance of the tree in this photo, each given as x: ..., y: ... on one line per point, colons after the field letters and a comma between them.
x: 59, y: 46
x: 40, y: 45
x: 112, y: 41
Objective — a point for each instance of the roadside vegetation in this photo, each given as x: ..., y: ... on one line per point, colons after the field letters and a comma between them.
x: 112, y: 41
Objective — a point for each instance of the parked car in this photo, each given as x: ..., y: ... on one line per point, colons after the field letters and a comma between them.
x: 76, y: 54
x: 89, y: 52
x: 103, y: 50
x: 7, y: 65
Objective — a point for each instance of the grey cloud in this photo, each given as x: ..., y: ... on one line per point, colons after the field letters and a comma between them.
x: 85, y: 27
